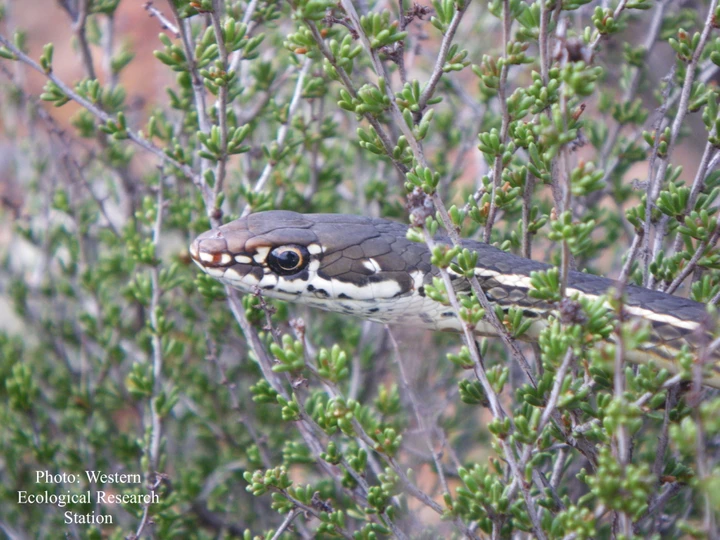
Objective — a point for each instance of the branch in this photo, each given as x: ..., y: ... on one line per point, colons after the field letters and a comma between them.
x: 97, y: 112
x: 437, y: 72
x: 502, y: 101
x: 282, y: 132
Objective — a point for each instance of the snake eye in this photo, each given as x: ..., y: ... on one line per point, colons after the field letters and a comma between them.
x: 286, y: 260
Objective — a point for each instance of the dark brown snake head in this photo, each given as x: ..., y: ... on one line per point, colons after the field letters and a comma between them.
x: 324, y: 257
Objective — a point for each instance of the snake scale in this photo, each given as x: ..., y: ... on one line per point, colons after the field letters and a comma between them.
x: 366, y: 267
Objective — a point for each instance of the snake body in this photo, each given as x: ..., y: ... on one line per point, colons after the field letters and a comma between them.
x: 366, y: 267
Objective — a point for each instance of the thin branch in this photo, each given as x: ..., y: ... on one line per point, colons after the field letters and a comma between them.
x: 156, y: 341
x: 557, y: 386
x: 654, y: 188
x: 419, y: 416
x: 282, y: 132
x: 388, y: 146
x: 285, y: 524
x: 622, y: 437
x: 165, y: 23
x: 80, y: 28
x: 618, y: 10
x: 631, y: 256
x: 505, y: 119
x: 650, y: 39
x: 97, y: 112
x: 222, y: 101
x: 707, y: 164
x: 381, y: 71
x: 493, y: 399
x: 699, y: 252
x: 437, y: 72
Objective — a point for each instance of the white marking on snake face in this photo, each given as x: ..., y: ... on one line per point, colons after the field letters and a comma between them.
x: 243, y: 259
x: 268, y: 279
x: 232, y: 275
x: 225, y: 259
x: 372, y: 265
x: 352, y: 292
x: 385, y: 289
x: 261, y: 254
x: 214, y: 272
x: 314, y: 249
x: 249, y: 280
x: 207, y: 257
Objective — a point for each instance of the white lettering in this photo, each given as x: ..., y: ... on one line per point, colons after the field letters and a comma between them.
x: 87, y: 519
x: 113, y: 478
x: 47, y: 477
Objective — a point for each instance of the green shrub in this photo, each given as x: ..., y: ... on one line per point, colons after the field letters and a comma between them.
x: 233, y: 416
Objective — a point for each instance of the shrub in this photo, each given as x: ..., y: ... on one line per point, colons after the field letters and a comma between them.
x: 232, y: 415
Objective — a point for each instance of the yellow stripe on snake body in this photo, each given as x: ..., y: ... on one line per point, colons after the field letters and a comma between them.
x: 367, y: 268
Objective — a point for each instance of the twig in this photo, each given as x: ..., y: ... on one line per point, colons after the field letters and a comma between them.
x: 79, y: 20
x: 544, y: 43
x: 157, y: 349
x: 650, y: 40
x: 222, y: 99
x: 622, y: 440
x: 381, y: 71
x: 654, y: 178
x: 282, y: 132
x: 663, y: 439
x: 493, y: 399
x: 699, y: 252
x: 631, y: 256
x: 490, y: 315
x: 312, y: 511
x: 505, y: 119
x: 437, y: 72
x: 350, y: 87
x: 677, y: 124
x: 96, y: 111
x: 707, y: 164
x: 528, y: 189
x: 237, y: 57
x: 419, y: 416
x: 165, y: 23
x: 618, y: 10
x: 557, y: 386
x: 198, y: 92
x: 285, y: 524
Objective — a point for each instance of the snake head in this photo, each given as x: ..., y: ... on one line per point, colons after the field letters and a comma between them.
x: 258, y: 251
x: 324, y: 260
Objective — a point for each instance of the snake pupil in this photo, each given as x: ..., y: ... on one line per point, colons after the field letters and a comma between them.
x: 288, y: 259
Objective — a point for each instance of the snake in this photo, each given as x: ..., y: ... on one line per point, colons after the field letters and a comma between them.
x: 368, y: 268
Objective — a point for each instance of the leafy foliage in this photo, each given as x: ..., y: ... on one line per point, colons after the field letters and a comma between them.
x: 519, y: 123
